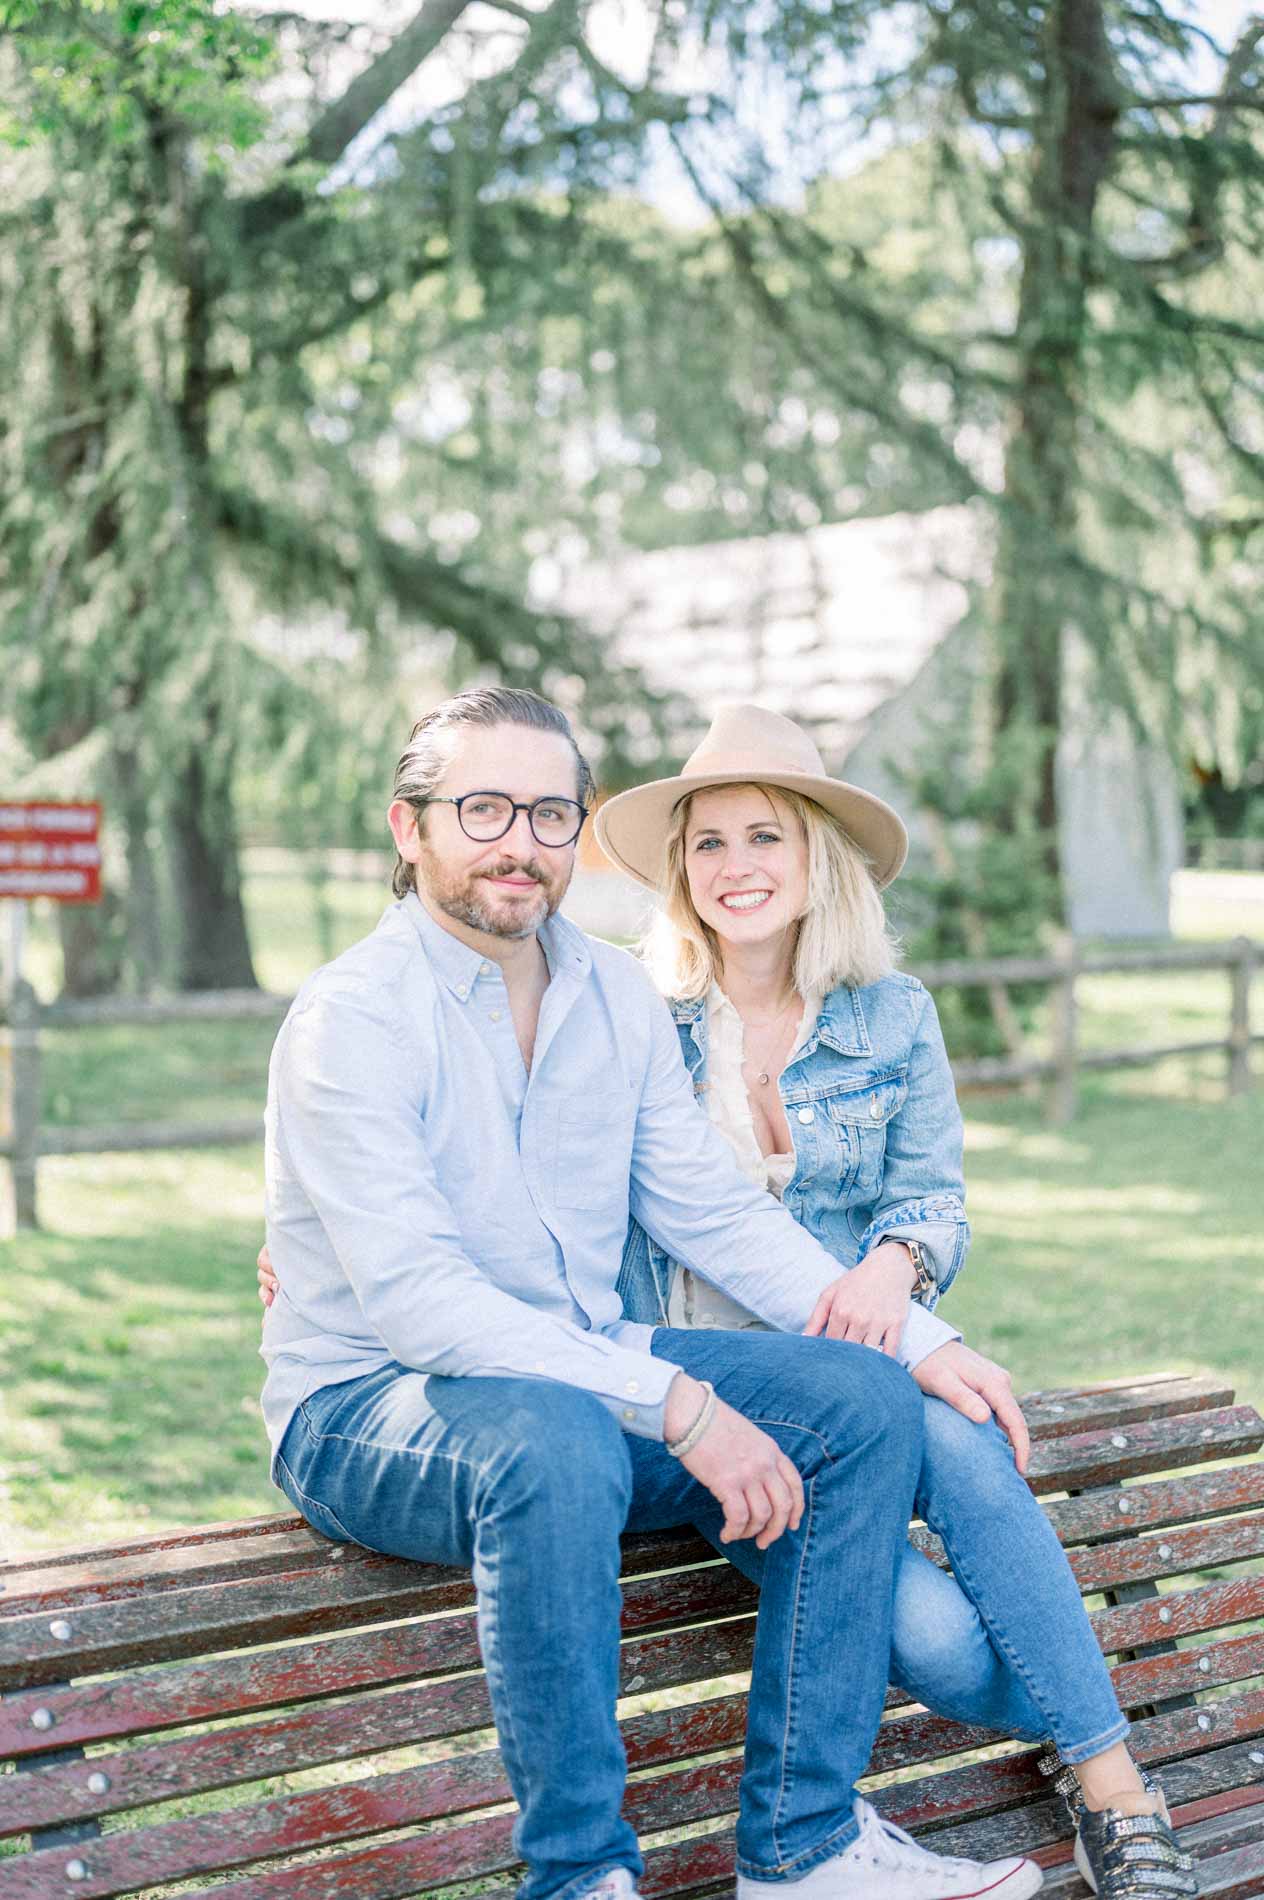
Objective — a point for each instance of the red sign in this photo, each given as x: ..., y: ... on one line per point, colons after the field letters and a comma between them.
x: 51, y: 851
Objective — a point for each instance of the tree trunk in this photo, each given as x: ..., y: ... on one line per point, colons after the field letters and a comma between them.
x: 93, y: 947
x: 1075, y: 149
x: 214, y: 946
x: 144, y: 892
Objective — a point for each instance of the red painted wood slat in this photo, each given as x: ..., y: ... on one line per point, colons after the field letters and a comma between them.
x: 1168, y: 1554
x: 1052, y: 1415
x: 126, y: 1861
x: 1104, y: 1457
x: 185, y: 1623
x: 322, y: 1733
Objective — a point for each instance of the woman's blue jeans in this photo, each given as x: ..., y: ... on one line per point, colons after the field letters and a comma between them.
x: 1004, y: 1642
x: 530, y: 1483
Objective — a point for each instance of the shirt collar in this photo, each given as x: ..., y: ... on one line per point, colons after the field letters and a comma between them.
x: 459, y: 967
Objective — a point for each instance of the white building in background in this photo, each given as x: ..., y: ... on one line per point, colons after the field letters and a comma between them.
x: 856, y: 630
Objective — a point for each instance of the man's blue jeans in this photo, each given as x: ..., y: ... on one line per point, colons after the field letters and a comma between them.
x: 530, y: 1484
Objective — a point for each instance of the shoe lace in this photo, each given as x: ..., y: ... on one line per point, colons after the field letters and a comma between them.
x: 908, y: 1854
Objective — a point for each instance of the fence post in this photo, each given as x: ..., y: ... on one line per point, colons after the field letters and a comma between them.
x: 24, y: 1100
x: 1064, y: 1089
x: 1239, y: 1042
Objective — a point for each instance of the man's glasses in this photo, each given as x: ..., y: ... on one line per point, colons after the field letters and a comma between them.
x: 484, y: 816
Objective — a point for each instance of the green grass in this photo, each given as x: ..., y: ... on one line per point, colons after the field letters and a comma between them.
x: 129, y: 1374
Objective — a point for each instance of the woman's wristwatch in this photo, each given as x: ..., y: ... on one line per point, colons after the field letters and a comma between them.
x: 924, y: 1281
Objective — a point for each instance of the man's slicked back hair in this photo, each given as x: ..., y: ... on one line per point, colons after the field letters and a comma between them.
x: 428, y: 753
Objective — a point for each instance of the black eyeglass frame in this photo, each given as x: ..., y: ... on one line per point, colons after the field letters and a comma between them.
x: 549, y: 844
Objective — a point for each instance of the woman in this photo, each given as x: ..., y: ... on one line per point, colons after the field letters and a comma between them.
x: 825, y: 1069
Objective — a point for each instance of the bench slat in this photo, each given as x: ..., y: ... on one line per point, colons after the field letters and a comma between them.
x: 118, y: 1635
x: 141, y: 1629
x: 166, y: 1698
x: 1053, y: 1414
x: 123, y: 1862
x: 73, y: 1586
x: 1186, y: 1671
x: 1096, y: 1458
x: 1210, y: 1606
x: 1157, y: 1504
x: 37, y: 1586
x: 283, y: 1544
x: 1170, y: 1554
x: 367, y: 1725
x: 126, y: 1861
x: 324, y: 1733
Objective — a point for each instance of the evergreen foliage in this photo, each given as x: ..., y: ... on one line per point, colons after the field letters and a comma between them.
x: 307, y: 375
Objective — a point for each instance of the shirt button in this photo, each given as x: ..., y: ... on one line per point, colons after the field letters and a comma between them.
x: 463, y: 991
x: 807, y: 1115
x: 496, y: 1015
x: 632, y: 1386
x: 629, y: 1414
x: 484, y: 969
x: 708, y: 1319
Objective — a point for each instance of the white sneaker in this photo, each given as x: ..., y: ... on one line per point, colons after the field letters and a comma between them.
x: 885, y: 1863
x: 618, y: 1884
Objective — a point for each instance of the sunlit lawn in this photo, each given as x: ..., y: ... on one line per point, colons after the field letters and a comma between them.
x: 129, y: 1373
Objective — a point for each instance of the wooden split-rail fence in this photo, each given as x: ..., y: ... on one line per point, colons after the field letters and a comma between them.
x: 25, y: 1137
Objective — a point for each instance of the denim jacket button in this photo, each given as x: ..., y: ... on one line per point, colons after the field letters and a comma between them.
x: 807, y: 1114
x: 875, y: 1108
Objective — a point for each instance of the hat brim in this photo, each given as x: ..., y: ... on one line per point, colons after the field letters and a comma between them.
x: 631, y: 827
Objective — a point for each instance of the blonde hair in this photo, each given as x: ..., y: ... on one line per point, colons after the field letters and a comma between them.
x: 843, y: 935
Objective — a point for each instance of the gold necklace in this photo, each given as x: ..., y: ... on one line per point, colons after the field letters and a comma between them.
x: 763, y: 1076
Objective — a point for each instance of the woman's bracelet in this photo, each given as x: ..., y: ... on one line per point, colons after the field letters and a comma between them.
x: 681, y: 1447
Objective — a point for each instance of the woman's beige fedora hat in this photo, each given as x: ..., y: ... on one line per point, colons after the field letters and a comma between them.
x: 746, y: 745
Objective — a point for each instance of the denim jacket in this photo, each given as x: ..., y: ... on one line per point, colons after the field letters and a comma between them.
x: 872, y: 1112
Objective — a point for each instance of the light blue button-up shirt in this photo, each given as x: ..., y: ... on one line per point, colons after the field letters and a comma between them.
x: 432, y: 1203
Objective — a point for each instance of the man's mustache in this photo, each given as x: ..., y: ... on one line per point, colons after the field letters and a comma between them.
x: 517, y: 870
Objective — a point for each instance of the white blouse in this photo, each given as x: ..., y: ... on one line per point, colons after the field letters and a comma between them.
x: 695, y: 1302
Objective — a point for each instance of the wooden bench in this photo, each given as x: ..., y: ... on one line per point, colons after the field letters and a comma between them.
x: 356, y: 1677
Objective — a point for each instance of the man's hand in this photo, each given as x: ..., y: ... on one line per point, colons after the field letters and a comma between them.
x: 268, y: 1282
x: 979, y: 1388
x: 870, y: 1303
x: 742, y: 1467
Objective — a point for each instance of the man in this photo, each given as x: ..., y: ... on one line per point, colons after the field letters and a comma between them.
x: 461, y: 1110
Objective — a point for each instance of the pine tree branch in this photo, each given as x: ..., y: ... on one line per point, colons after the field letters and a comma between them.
x: 1204, y: 241
x: 421, y: 587
x: 343, y: 121
x: 876, y: 400
x: 1230, y: 101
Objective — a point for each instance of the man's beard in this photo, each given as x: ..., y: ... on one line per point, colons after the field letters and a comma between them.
x: 457, y: 896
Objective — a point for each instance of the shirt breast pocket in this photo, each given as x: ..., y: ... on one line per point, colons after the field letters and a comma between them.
x: 594, y: 1158
x: 859, y: 1119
